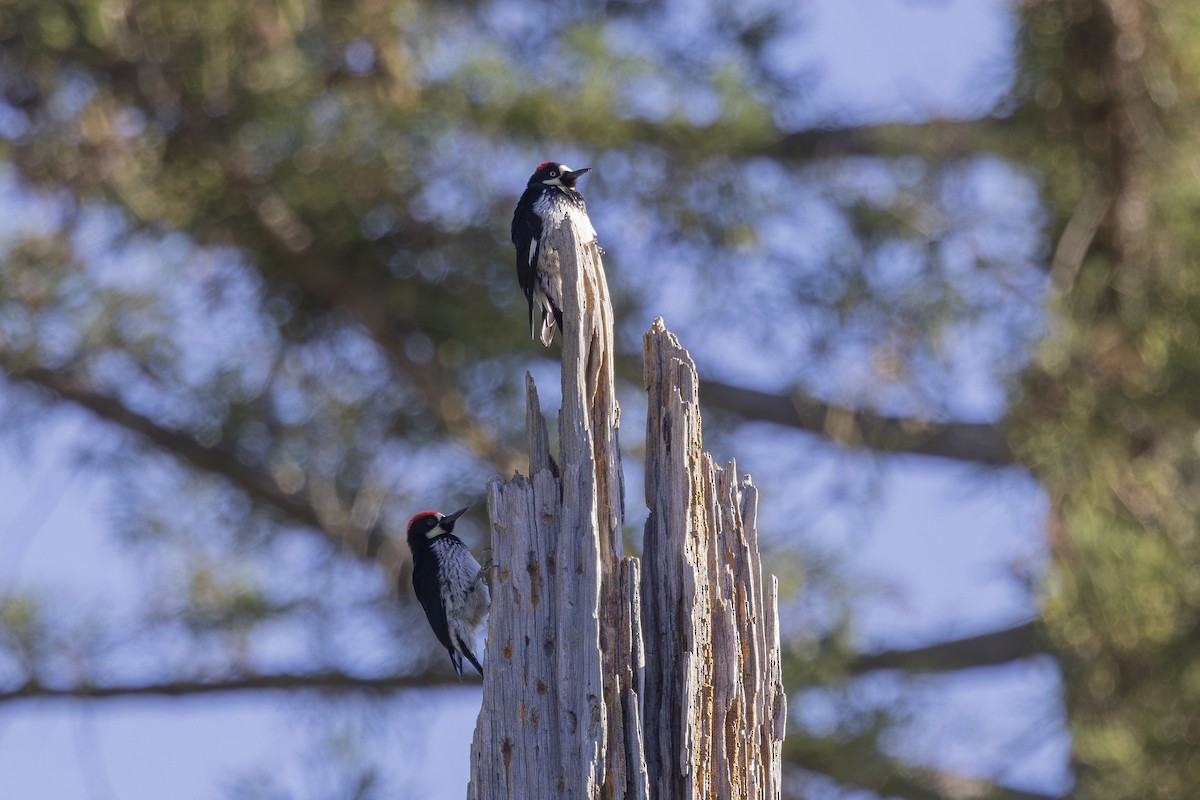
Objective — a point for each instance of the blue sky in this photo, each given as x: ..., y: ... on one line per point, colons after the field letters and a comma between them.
x: 941, y: 557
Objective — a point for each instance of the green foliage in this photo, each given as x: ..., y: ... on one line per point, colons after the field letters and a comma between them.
x: 1110, y: 421
x: 22, y: 629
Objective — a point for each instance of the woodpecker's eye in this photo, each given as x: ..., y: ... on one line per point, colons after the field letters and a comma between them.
x: 553, y: 173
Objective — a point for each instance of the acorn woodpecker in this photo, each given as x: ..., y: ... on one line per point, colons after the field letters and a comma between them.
x: 550, y: 197
x: 449, y: 583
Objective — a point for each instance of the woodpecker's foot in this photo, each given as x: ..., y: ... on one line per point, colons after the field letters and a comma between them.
x: 484, y: 570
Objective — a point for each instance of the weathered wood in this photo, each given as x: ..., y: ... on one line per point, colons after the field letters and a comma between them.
x: 592, y: 480
x: 605, y: 680
x: 715, y: 708
x: 558, y: 703
x: 632, y: 666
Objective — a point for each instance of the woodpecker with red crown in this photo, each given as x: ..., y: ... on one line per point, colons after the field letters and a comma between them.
x: 550, y: 198
x: 449, y: 584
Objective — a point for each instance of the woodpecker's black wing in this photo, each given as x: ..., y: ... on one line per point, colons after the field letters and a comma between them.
x: 526, y: 238
x: 425, y: 582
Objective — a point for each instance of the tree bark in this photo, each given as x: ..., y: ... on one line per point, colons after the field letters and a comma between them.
x: 558, y: 685
x: 568, y: 708
x: 715, y: 705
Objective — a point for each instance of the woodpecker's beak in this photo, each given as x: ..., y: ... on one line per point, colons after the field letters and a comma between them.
x: 447, y: 522
x: 568, y: 178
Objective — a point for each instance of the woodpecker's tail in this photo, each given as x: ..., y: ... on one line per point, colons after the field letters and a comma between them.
x: 456, y: 659
x: 474, y: 661
x: 551, y: 320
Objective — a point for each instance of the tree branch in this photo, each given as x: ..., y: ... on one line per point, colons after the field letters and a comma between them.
x: 858, y: 762
x: 936, y: 138
x: 984, y: 650
x: 974, y: 442
x: 595, y: 127
x: 312, y: 681
x: 257, y: 484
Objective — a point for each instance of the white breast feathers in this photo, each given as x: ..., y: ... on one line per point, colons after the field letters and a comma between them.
x: 554, y: 207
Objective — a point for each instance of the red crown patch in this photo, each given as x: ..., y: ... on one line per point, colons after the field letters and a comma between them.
x: 422, y: 514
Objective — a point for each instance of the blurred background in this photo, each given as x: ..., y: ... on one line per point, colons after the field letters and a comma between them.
x: 935, y: 260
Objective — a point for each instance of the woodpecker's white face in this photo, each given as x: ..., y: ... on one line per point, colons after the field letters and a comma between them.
x: 429, y: 525
x: 436, y: 530
x: 555, y: 176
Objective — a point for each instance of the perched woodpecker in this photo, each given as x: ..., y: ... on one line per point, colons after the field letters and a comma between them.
x: 550, y: 198
x: 449, y: 583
